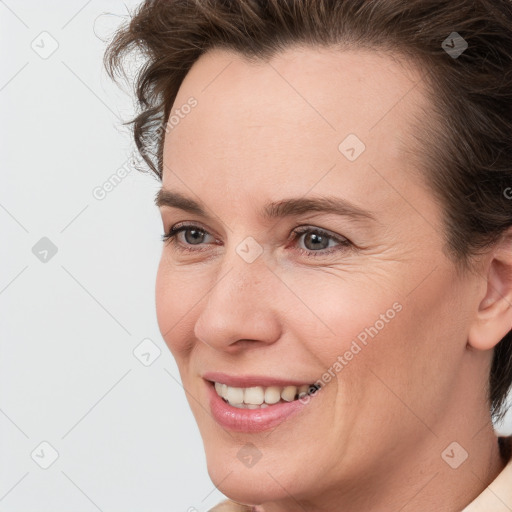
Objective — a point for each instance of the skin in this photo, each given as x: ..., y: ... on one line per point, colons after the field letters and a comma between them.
x: 372, y: 439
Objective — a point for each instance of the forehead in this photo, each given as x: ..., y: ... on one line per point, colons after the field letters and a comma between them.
x: 282, y: 121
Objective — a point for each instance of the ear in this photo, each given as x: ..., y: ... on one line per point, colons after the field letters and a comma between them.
x: 493, y: 320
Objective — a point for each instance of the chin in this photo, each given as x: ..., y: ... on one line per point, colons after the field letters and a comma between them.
x: 247, y: 486
x: 264, y: 481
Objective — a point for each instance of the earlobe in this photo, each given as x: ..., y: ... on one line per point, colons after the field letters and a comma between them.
x: 493, y: 319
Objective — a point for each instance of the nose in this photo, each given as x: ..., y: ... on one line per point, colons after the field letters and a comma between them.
x: 241, y: 308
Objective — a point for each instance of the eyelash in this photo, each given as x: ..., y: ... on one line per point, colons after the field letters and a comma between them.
x: 343, y: 242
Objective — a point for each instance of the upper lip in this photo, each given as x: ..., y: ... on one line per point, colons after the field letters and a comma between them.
x: 246, y: 381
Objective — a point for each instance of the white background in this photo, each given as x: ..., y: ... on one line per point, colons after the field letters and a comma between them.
x: 124, y: 433
x: 125, y: 437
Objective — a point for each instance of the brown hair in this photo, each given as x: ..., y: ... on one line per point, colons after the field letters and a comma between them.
x: 464, y: 141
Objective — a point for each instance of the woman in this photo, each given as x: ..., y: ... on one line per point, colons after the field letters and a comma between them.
x: 336, y: 278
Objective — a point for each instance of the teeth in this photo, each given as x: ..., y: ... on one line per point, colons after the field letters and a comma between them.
x: 272, y: 395
x: 254, y: 396
x: 259, y: 397
x: 303, y: 390
x: 289, y: 393
x: 235, y: 395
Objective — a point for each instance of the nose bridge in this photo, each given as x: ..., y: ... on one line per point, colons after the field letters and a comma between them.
x: 238, y: 305
x: 244, y: 271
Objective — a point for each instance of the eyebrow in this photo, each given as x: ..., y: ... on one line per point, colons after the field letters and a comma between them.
x: 277, y: 209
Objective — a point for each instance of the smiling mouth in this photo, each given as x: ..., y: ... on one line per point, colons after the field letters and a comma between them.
x: 260, y: 397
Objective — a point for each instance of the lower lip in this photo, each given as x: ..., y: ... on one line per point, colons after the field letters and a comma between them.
x: 251, y: 420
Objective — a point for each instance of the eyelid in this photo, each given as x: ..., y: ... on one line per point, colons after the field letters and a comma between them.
x: 343, y: 242
x: 313, y: 229
x: 180, y: 227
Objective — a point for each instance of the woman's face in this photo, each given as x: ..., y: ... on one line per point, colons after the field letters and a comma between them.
x: 267, y: 290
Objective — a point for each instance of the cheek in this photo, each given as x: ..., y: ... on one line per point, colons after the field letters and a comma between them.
x: 175, y: 299
x: 338, y: 314
x: 369, y: 330
x: 413, y: 359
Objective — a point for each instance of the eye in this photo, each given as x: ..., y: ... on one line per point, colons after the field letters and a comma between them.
x: 191, y: 235
x: 316, y: 241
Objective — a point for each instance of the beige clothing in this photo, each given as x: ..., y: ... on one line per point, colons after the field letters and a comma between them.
x: 497, y: 497
x: 230, y: 506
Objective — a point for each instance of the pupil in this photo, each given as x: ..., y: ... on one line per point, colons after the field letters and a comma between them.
x: 316, y: 239
x: 197, y: 236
